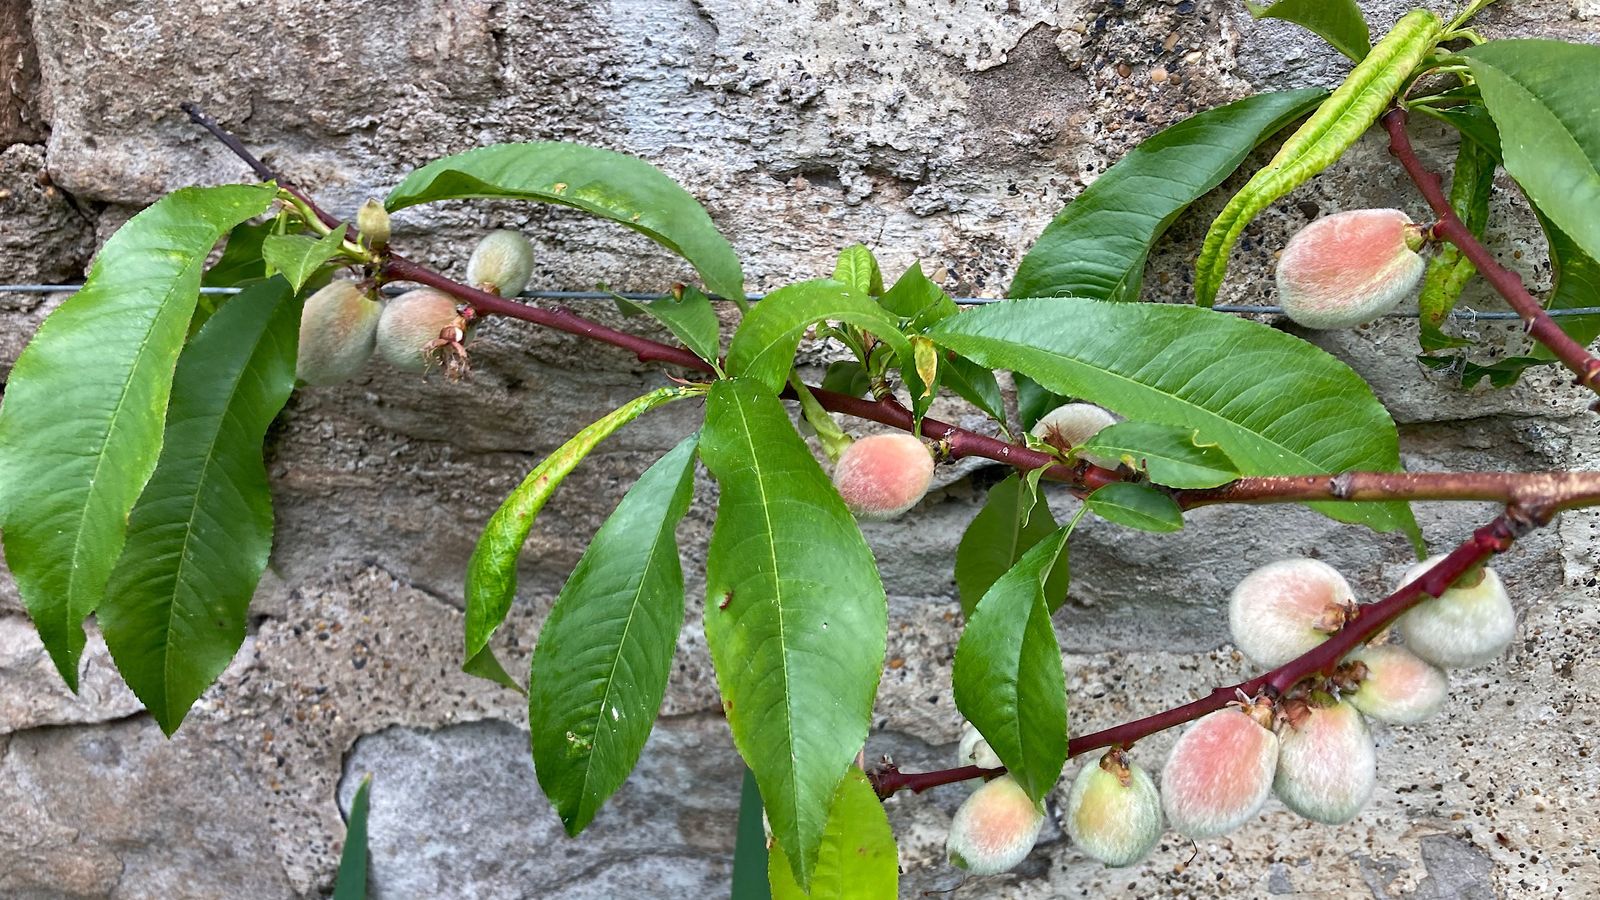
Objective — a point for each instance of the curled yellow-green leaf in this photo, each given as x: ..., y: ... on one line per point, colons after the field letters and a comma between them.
x: 1330, y: 131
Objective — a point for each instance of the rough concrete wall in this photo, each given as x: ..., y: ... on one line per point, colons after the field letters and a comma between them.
x: 936, y: 131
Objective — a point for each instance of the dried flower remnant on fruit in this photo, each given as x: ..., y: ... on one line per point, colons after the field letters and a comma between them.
x: 1285, y: 608
x: 1398, y: 686
x: 883, y: 475
x: 1469, y: 625
x: 502, y: 263
x: 974, y: 750
x: 1070, y: 425
x: 994, y: 829
x: 1349, y: 268
x: 338, y: 326
x: 1113, y: 811
x: 1327, y: 765
x: 411, y: 326
x: 1219, y: 772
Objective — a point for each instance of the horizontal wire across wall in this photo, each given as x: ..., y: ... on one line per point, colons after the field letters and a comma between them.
x: 1464, y: 315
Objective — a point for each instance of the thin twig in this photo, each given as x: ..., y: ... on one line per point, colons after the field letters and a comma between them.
x: 1371, y: 618
x: 1450, y: 227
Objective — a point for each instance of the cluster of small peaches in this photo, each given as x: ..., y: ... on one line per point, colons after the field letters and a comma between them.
x: 1311, y: 747
x: 344, y: 323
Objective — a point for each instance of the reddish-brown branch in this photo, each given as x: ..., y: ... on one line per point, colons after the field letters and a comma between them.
x: 1540, y: 326
x: 1372, y: 618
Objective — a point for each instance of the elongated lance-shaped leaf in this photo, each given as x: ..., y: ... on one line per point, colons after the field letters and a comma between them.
x: 85, y: 405
x: 1448, y: 270
x: 1097, y: 246
x: 796, y: 617
x: 750, y: 846
x: 1008, y: 677
x: 1014, y: 518
x: 600, y: 667
x: 604, y: 183
x: 198, y: 539
x: 492, y: 571
x: 351, y: 883
x: 858, y: 858
x: 1135, y: 506
x: 688, y: 315
x: 764, y: 346
x: 1339, y: 22
x: 1331, y: 130
x: 298, y: 257
x: 858, y: 268
x: 1275, y: 404
x: 1541, y: 95
x: 1168, y: 454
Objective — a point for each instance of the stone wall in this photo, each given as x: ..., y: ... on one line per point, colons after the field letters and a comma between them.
x: 936, y: 131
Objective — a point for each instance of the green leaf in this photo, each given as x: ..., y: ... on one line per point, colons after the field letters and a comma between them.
x: 917, y: 299
x: 1008, y: 677
x: 1448, y: 270
x: 241, y: 259
x: 1275, y: 404
x: 974, y: 384
x: 1013, y: 520
x: 1472, y: 120
x: 600, y: 666
x: 847, y: 377
x: 1541, y: 95
x: 1334, y: 128
x: 198, y: 539
x: 689, y: 316
x: 85, y: 405
x: 857, y: 859
x: 764, y: 346
x: 1097, y: 246
x: 1339, y: 22
x: 1136, y: 506
x: 299, y: 257
x: 750, y: 845
x: 603, y: 183
x: 858, y: 268
x: 1168, y: 454
x: 351, y: 883
x: 492, y: 571
x: 796, y: 618
x: 1577, y: 286
x: 1033, y: 401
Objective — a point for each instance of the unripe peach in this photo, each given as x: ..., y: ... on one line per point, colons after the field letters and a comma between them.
x: 1327, y: 766
x: 1349, y: 268
x: 372, y: 222
x: 1071, y: 424
x: 337, y: 325
x: 1113, y: 812
x: 1400, y: 687
x: 1466, y: 626
x: 974, y: 750
x: 994, y: 829
x: 1219, y: 772
x: 410, y: 322
x: 1285, y: 608
x: 501, y: 263
x: 884, y: 475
